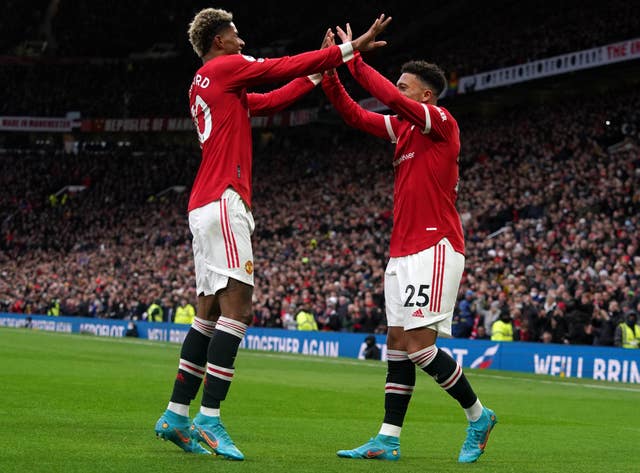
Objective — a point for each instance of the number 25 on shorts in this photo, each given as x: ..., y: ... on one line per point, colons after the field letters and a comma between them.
x: 416, y: 297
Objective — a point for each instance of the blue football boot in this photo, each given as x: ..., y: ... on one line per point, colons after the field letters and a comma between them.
x: 211, y: 431
x: 477, y: 436
x: 381, y: 447
x: 176, y: 428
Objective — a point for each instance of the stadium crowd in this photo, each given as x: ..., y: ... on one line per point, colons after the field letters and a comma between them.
x: 549, y: 199
x: 100, y: 74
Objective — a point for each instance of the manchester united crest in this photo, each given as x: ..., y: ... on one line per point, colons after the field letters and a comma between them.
x: 248, y: 267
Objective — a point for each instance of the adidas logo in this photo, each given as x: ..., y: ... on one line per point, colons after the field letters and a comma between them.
x: 418, y: 313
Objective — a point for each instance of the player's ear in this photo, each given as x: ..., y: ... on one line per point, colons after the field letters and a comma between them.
x: 427, y: 95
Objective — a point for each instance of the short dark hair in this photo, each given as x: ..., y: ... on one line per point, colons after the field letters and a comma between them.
x: 429, y: 73
x: 206, y: 24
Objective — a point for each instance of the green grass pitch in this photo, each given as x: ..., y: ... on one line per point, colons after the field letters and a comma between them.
x: 76, y: 403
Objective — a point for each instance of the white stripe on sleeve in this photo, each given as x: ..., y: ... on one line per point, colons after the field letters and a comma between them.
x: 427, y: 119
x: 392, y: 135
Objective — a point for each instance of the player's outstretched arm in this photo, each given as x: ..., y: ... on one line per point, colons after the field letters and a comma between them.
x: 281, y: 98
x: 244, y: 71
x: 382, y: 88
x: 351, y: 112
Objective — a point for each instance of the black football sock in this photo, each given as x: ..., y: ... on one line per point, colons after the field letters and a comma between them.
x: 447, y: 373
x: 401, y: 379
x: 220, y: 358
x: 193, y: 359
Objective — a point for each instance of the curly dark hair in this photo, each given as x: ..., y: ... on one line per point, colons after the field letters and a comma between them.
x: 429, y: 73
x: 205, y: 26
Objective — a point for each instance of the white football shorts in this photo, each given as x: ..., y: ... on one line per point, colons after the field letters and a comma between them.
x: 222, y: 243
x: 421, y: 289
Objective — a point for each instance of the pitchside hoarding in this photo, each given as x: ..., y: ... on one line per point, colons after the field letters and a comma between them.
x: 571, y: 361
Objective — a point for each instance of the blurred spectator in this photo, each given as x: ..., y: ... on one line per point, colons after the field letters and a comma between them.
x: 482, y: 333
x: 305, y: 319
x: 463, y: 317
x: 627, y: 333
x: 371, y: 350
x: 54, y: 308
x: 490, y: 316
x: 132, y: 330
x: 185, y: 313
x: 502, y: 329
x: 155, y: 312
x: 546, y: 337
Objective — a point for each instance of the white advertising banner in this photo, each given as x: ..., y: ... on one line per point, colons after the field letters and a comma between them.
x: 51, y: 124
x: 561, y: 64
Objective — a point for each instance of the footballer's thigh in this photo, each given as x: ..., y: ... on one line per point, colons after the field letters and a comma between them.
x: 223, y: 255
x: 427, y: 287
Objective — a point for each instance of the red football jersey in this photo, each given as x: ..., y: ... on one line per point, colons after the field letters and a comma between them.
x: 425, y: 161
x: 221, y: 109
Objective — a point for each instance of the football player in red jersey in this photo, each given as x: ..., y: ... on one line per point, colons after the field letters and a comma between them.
x: 219, y: 209
x: 426, y: 262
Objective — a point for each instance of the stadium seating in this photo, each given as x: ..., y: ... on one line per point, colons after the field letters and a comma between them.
x: 549, y: 193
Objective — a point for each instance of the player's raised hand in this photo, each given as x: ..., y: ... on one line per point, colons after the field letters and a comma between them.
x: 367, y: 41
x: 329, y: 40
x: 345, y: 37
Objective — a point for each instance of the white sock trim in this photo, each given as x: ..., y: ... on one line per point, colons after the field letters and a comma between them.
x: 205, y: 327
x: 210, y: 411
x: 233, y: 327
x: 474, y: 412
x: 191, y: 368
x: 180, y: 409
x: 397, y: 355
x: 391, y: 430
x: 221, y: 372
x: 395, y: 388
x: 422, y: 358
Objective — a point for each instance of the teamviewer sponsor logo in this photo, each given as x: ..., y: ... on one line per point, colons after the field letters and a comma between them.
x: 403, y: 158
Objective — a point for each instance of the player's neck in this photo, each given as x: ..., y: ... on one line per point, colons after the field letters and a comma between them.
x: 212, y: 55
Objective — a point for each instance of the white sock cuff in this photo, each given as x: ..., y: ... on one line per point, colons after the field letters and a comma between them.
x: 180, y: 409
x: 397, y: 355
x: 474, y: 412
x: 395, y: 388
x: 391, y: 430
x: 231, y: 326
x: 210, y: 411
x: 424, y: 357
x: 204, y: 326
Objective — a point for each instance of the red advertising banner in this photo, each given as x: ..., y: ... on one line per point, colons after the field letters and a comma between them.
x: 136, y: 124
x: 110, y: 125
